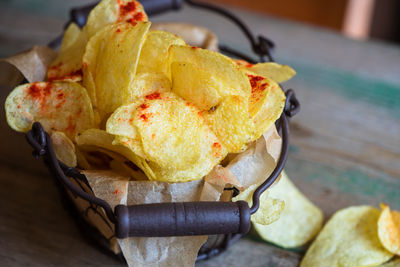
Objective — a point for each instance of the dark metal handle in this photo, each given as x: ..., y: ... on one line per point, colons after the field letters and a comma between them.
x: 182, y: 219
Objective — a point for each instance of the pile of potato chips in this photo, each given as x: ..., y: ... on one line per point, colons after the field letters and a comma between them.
x: 124, y: 97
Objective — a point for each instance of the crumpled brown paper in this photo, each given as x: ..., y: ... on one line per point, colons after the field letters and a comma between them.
x: 153, y: 251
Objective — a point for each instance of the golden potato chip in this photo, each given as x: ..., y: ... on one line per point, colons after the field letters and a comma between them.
x: 215, y: 63
x: 64, y: 148
x: 154, y: 54
x: 146, y: 83
x: 350, y: 238
x: 277, y: 72
x: 177, y: 144
x: 102, y: 139
x: 67, y: 66
x: 58, y: 106
x: 110, y: 11
x: 231, y: 122
x: 203, y: 89
x: 389, y: 229
x: 266, y: 102
x: 270, y: 208
x: 110, y: 62
x: 82, y: 162
x: 299, y: 222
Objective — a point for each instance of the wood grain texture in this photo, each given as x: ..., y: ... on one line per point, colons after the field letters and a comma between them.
x: 345, y: 142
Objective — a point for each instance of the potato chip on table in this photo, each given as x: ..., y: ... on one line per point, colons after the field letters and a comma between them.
x: 389, y: 229
x: 350, y: 238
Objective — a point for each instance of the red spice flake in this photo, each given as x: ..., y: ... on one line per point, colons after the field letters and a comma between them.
x: 40, y: 93
x: 127, y: 8
x: 153, y: 135
x: 195, y: 47
x: 60, y: 95
x: 130, y: 120
x: 217, y: 146
x: 200, y: 114
x: 116, y: 192
x: 131, y: 21
x: 139, y: 16
x: 19, y: 106
x: 118, y: 30
x: 144, y: 106
x: 155, y: 95
x: 84, y: 65
x: 145, y: 116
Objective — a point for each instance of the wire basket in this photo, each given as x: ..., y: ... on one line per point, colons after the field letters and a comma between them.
x: 224, y: 222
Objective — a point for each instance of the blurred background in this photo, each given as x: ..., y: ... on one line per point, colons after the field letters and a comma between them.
x: 359, y: 19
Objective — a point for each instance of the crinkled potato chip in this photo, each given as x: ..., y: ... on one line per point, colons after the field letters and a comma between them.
x: 110, y: 11
x: 58, y: 106
x: 110, y: 62
x: 389, y: 229
x: 203, y: 89
x: 154, y: 54
x: 277, y: 72
x: 67, y: 66
x: 224, y: 68
x: 177, y: 144
x: 231, y: 122
x: 64, y: 148
x: 270, y: 208
x: 350, y: 238
x: 299, y: 222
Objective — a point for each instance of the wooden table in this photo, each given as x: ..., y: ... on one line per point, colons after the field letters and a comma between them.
x: 345, y: 145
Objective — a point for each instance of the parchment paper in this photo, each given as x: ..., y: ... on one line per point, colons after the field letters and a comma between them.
x: 154, y: 251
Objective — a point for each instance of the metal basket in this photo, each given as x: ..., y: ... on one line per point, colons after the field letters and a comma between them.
x: 223, y: 222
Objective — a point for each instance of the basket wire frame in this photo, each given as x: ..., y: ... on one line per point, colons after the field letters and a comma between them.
x: 71, y: 180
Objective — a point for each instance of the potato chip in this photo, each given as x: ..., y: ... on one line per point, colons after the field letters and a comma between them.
x: 299, y: 222
x: 231, y: 122
x: 270, y: 208
x: 215, y: 63
x: 58, y: 106
x: 350, y: 238
x: 203, y: 89
x: 389, y: 229
x: 154, y: 55
x: 102, y: 139
x: 146, y: 83
x: 110, y: 11
x: 277, y: 72
x: 110, y: 62
x: 177, y: 144
x: 266, y: 102
x: 64, y: 148
x: 67, y: 66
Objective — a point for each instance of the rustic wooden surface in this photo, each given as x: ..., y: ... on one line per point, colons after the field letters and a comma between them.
x: 345, y: 142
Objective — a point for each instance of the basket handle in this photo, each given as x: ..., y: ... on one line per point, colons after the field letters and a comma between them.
x: 182, y: 219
